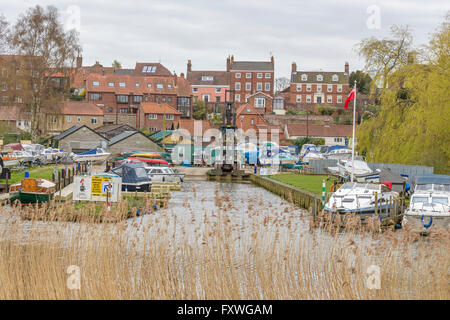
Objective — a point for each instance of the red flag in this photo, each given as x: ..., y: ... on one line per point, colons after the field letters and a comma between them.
x: 350, y: 97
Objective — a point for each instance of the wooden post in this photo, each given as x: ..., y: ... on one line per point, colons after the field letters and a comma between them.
x: 7, y: 186
x: 376, y: 203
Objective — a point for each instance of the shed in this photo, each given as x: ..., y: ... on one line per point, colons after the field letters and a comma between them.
x: 112, y: 130
x: 129, y: 141
x: 80, y: 139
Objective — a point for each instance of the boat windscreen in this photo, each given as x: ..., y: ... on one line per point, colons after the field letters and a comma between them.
x: 419, y: 199
x: 140, y: 172
x: 443, y: 200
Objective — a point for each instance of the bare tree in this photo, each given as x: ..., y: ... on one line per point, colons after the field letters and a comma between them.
x: 3, y: 33
x: 43, y: 49
x: 281, y: 84
x: 386, y: 55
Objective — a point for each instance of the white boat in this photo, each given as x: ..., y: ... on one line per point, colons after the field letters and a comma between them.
x: 312, y: 153
x: 24, y: 157
x: 359, y: 199
x: 164, y: 174
x: 429, y: 205
x: 94, y: 155
x: 338, y: 154
x: 361, y: 172
x: 304, y: 149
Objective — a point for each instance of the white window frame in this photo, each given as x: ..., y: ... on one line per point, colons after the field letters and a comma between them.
x: 329, y: 88
x: 319, y: 77
x: 248, y: 86
x: 258, y: 103
x: 308, y: 98
x: 319, y: 88
x: 339, y: 88
x: 304, y: 77
x: 194, y: 89
x: 299, y: 87
x: 267, y: 86
x: 329, y: 99
x: 69, y: 119
x: 159, y: 86
x: 259, y: 86
x: 237, y: 97
x: 259, y: 75
x: 149, y: 85
x: 339, y: 99
x: 218, y: 90
x: 268, y: 75
x: 335, y: 77
x: 237, y: 75
x: 94, y: 120
x: 78, y: 119
x: 299, y: 98
x: 169, y: 117
x: 246, y: 97
x: 152, y: 116
x: 308, y: 87
x: 96, y: 83
x: 237, y: 86
x: 248, y: 75
x: 122, y: 84
x: 111, y: 84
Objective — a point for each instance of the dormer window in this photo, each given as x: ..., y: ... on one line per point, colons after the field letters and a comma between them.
x: 207, y: 78
x: 335, y: 77
x: 304, y: 77
x: 319, y: 77
x: 149, y: 69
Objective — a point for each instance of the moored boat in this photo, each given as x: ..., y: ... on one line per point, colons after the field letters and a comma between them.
x: 94, y: 155
x: 31, y: 190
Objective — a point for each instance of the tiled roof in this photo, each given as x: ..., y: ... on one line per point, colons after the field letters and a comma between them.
x: 153, y: 107
x: 82, y: 108
x: 248, y: 109
x: 73, y: 129
x: 111, y: 127
x: 160, y: 70
x: 220, y: 78
x: 296, y: 77
x: 122, y: 136
x: 158, y: 136
x: 315, y: 130
x: 252, y: 65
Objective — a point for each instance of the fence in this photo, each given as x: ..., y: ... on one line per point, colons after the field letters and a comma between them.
x: 319, y: 167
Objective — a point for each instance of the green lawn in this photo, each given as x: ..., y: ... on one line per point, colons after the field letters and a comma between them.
x: 305, y: 182
x: 40, y: 172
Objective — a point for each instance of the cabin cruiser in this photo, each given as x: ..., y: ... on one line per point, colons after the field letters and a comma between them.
x: 429, y: 205
x: 94, y: 155
x: 361, y: 172
x: 359, y: 198
x: 164, y: 174
x: 134, y: 177
x: 304, y: 149
x: 52, y: 154
x: 24, y: 157
x: 338, y: 154
x: 312, y: 153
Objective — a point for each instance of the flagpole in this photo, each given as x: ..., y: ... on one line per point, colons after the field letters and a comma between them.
x: 353, y: 136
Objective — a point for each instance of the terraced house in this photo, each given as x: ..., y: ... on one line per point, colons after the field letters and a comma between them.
x: 121, y: 92
x: 318, y: 87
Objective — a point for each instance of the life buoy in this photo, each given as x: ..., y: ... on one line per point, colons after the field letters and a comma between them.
x: 429, y: 223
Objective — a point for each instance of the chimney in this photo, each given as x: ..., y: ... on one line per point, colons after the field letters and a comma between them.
x: 232, y: 59
x: 189, y: 66
x: 228, y: 64
x: 79, y: 62
x: 175, y: 79
x: 294, y: 67
x: 271, y: 59
x: 347, y: 68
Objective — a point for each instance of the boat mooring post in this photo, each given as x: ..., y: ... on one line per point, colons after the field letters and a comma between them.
x: 376, y: 202
x: 323, y: 193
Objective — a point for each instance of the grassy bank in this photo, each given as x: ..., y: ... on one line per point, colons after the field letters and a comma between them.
x: 39, y: 172
x: 309, y: 183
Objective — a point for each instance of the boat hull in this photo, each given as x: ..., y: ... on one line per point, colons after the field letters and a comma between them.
x: 383, y: 213
x: 425, y: 223
x: 93, y: 158
x: 31, y: 197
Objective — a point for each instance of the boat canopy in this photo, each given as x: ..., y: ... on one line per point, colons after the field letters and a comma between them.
x: 132, y: 173
x: 93, y: 151
x: 433, y: 179
x: 336, y: 147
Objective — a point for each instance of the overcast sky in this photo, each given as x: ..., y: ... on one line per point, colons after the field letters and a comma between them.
x: 319, y: 34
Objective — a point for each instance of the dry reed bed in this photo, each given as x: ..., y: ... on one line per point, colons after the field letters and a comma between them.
x: 247, y: 249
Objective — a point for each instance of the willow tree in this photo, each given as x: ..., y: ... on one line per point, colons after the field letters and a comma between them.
x: 385, y: 56
x: 43, y: 48
x: 413, y: 124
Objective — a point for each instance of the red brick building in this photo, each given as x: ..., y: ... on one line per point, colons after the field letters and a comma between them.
x: 249, y: 77
x: 208, y: 86
x: 120, y: 92
x: 153, y: 114
x: 318, y: 87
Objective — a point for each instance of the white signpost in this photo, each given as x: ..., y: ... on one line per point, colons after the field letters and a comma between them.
x: 101, y: 187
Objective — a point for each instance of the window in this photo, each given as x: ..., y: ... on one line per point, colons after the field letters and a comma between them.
x: 248, y: 75
x: 339, y: 89
x: 18, y: 86
x: 218, y: 90
x: 237, y: 98
x: 169, y: 86
x: 337, y: 139
x: 259, y: 75
x: 205, y: 97
x: 122, y: 84
x: 111, y: 84
x: 238, y: 75
x: 260, y: 102
x: 163, y: 99
x: 149, y: 69
x: 94, y: 120
x: 319, y: 77
x: 308, y: 98
x: 184, y: 106
x: 267, y: 75
x: 218, y: 99
x: 169, y: 117
x: 330, y: 88
x: 4, y: 72
x: 299, y: 98
x: 95, y: 83
x: 18, y: 99
x: 207, y: 78
x: 335, y: 77
x: 110, y: 110
x: 4, y: 86
x: 339, y: 99
x: 153, y: 116
x: 137, y: 84
x: 96, y: 96
x: 267, y: 86
x: 122, y: 98
x: 149, y: 85
x: 123, y: 110
x: 329, y: 99
x: 278, y: 104
x: 137, y: 99
x: 308, y: 87
x: 237, y: 86
x: 169, y: 99
x: 5, y: 98
x: 78, y: 119
x: 195, y: 89
x: 299, y: 87
x: 252, y: 122
x: 319, y: 88
x: 159, y: 86
x: 248, y: 86
x: 246, y: 97
x: 69, y: 119
x: 304, y: 77
x: 259, y: 86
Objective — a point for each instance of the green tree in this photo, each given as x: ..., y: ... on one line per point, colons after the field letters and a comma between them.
x: 412, y: 126
x: 385, y: 56
x: 363, y: 81
x: 308, y: 140
x: 199, y: 110
x: 116, y: 64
